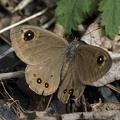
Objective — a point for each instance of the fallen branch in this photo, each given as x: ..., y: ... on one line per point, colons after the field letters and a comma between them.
x: 73, y: 116
x: 23, y: 21
x: 17, y: 74
x: 6, y: 52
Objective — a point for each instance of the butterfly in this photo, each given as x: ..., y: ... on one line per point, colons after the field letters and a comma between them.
x: 53, y: 63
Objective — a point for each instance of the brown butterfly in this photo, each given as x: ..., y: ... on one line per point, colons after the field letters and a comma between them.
x: 47, y: 55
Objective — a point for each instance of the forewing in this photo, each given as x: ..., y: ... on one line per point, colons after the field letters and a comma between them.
x: 34, y: 45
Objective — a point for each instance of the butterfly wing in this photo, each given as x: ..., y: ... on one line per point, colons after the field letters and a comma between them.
x: 71, y: 86
x: 89, y: 63
x: 44, y: 79
x: 93, y: 62
x: 44, y: 53
x: 34, y: 45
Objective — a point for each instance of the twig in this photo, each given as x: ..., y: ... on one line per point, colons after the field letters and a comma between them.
x: 49, y: 101
x: 115, y: 56
x: 4, y: 76
x: 49, y: 23
x: 15, y: 103
x: 4, y: 39
x: 5, y: 89
x: 38, y: 115
x: 21, y: 5
x: 6, y: 52
x: 23, y: 21
x: 113, y: 88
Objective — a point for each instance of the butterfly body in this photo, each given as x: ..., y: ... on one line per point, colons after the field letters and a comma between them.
x: 50, y: 58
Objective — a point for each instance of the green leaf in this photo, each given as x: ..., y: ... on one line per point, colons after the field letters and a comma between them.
x: 70, y: 13
x: 110, y: 16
